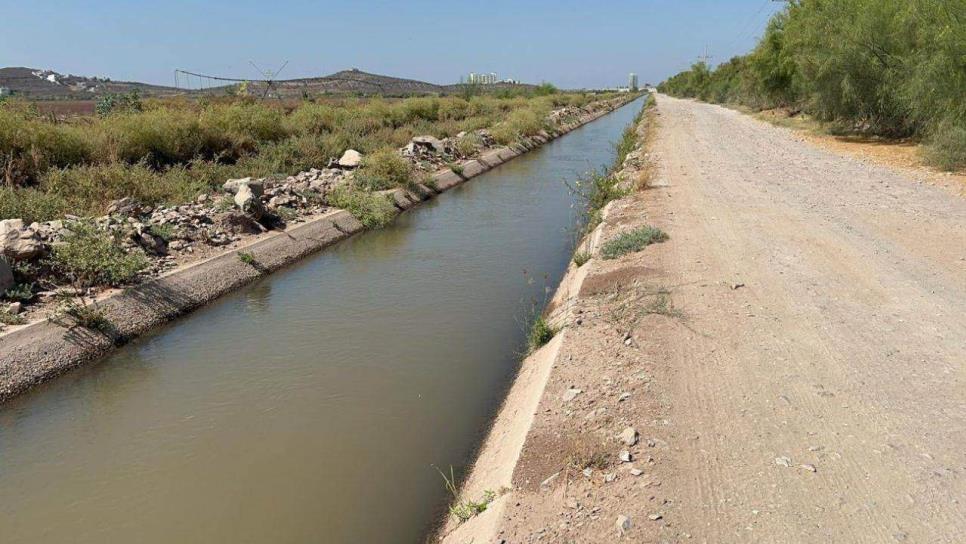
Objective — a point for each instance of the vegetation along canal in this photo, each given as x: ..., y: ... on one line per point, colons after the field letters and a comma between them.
x: 313, y: 405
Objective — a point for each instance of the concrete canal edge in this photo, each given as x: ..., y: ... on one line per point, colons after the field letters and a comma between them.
x: 497, y: 459
x: 39, y: 351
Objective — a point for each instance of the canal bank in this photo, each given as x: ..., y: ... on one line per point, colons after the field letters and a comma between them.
x: 41, y: 350
x: 542, y: 473
x: 313, y: 404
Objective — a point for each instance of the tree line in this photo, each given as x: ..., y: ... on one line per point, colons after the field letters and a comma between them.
x: 892, y: 68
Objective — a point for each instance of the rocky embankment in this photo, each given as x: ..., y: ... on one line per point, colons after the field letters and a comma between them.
x: 569, y: 457
x: 168, y: 237
x: 194, y: 253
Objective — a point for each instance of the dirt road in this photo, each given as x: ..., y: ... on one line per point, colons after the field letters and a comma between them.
x: 807, y: 380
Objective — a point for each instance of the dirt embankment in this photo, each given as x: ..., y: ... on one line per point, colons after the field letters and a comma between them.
x: 791, y: 360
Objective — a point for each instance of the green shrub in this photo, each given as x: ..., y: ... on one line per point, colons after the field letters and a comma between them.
x: 372, y: 209
x: 117, y: 103
x: 632, y: 241
x: 581, y: 258
x: 31, y: 205
x: 384, y: 169
x: 469, y: 144
x: 89, y: 256
x: 88, y: 190
x: 541, y: 332
x: 892, y: 69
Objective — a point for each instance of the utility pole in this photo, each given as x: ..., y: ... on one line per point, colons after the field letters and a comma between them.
x: 706, y: 57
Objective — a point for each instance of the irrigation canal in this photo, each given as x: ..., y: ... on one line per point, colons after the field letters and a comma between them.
x: 313, y: 405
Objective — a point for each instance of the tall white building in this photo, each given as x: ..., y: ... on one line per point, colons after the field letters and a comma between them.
x: 632, y: 81
x: 483, y: 79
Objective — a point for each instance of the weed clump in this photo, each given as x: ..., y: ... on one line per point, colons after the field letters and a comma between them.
x: 541, y: 332
x: 247, y: 258
x: 581, y: 258
x: 465, y: 510
x: 371, y: 209
x: 632, y: 241
x: 384, y: 169
x: 73, y: 311
x: 89, y: 256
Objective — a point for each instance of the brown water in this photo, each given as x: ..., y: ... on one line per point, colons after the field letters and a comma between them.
x: 313, y: 405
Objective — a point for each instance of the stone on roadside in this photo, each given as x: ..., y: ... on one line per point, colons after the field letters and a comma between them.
x: 570, y: 394
x: 625, y: 456
x: 236, y: 223
x: 629, y: 436
x: 19, y: 242
x: 636, y: 472
x: 623, y: 524
x: 256, y: 186
x: 350, y: 159
x: 428, y: 142
x: 154, y: 245
x: 248, y: 202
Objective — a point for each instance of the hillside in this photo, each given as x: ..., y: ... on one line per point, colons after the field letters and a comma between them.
x: 47, y: 84
x: 39, y: 84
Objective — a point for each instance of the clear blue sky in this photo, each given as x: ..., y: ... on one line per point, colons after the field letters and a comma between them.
x: 570, y: 43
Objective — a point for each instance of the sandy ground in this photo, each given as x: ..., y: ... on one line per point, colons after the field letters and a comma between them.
x: 792, y: 359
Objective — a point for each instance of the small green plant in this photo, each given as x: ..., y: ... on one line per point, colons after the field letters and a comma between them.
x: 119, y: 103
x: 73, y: 311
x: 464, y: 510
x: 662, y: 305
x: 581, y: 258
x: 456, y: 168
x: 165, y: 232
x: 20, y: 292
x: 632, y: 241
x: 89, y: 256
x: 247, y: 258
x: 371, y: 209
x: 287, y: 213
x: 430, y: 181
x: 541, y: 332
x: 469, y: 144
x: 224, y: 204
x: 7, y: 318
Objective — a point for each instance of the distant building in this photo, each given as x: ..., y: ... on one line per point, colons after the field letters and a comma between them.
x: 4, y: 91
x: 482, y: 79
x: 632, y: 81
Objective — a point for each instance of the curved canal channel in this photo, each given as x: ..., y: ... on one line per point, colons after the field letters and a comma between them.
x: 313, y: 405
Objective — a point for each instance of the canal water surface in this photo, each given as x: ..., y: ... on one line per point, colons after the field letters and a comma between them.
x: 313, y: 405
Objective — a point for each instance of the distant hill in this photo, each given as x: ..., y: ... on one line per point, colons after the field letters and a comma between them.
x: 358, y: 82
x: 47, y: 85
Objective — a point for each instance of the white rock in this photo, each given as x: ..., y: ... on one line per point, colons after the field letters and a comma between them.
x: 570, y: 394
x: 256, y: 186
x: 247, y: 202
x: 350, y: 159
x: 623, y: 524
x: 625, y: 457
x: 629, y: 436
x: 19, y: 242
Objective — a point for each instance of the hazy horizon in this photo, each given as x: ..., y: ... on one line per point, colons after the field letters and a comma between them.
x: 571, y: 44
